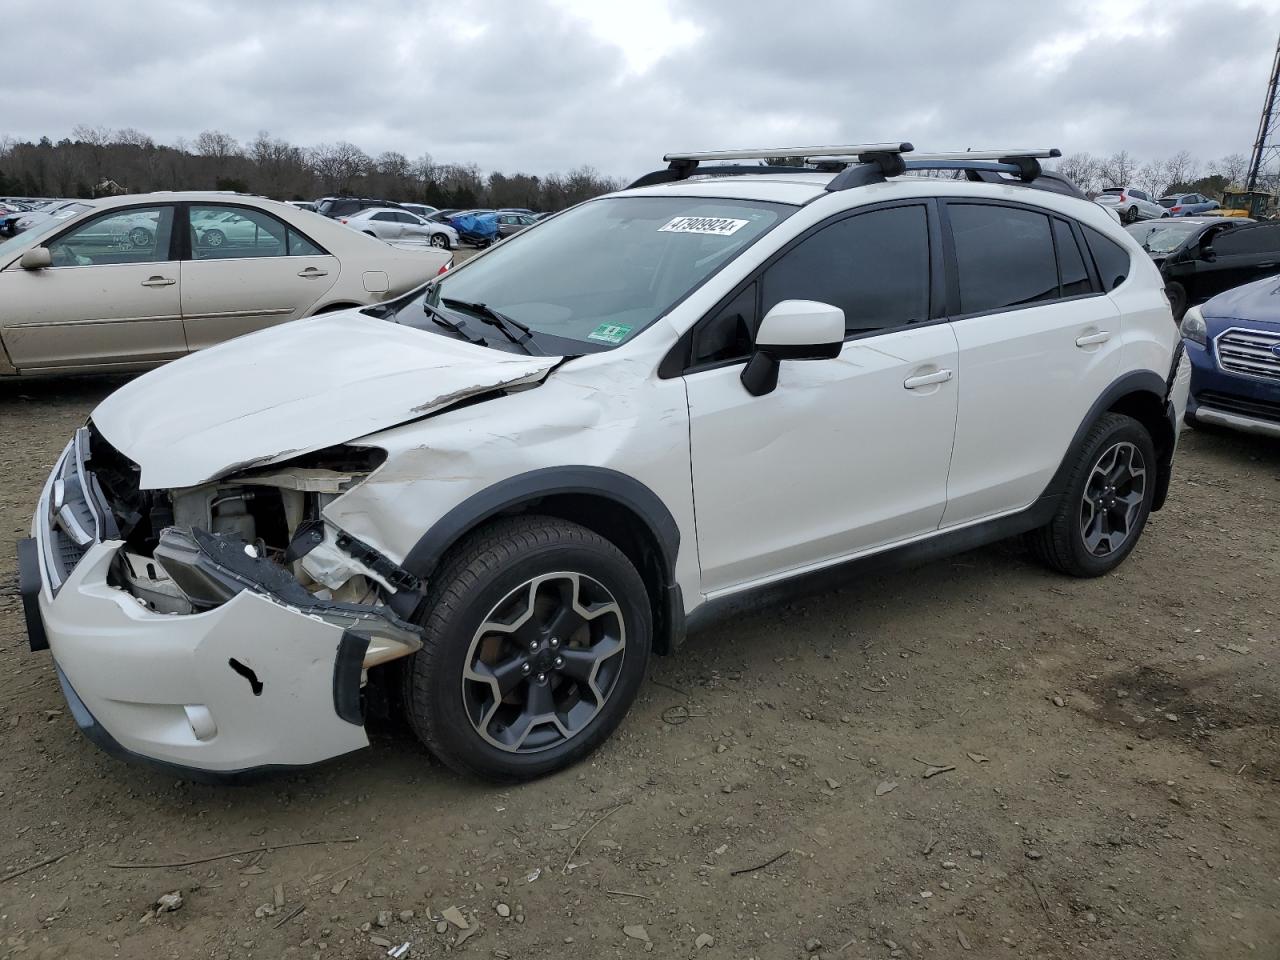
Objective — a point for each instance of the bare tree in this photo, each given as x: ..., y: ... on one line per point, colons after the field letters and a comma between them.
x: 96, y: 136
x: 1118, y: 169
x: 216, y: 144
x: 1180, y: 170
x: 1151, y: 178
x: 1234, y: 167
x: 1082, y: 169
x: 132, y: 137
x: 338, y: 164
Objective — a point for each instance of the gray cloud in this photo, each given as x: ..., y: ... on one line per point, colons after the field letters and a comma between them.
x: 533, y: 86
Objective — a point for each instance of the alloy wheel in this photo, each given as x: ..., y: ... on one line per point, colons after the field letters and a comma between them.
x: 544, y: 662
x: 1112, y: 503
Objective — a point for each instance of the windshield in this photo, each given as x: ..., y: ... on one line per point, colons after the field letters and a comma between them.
x: 34, y: 234
x: 1163, y: 236
x: 598, y: 274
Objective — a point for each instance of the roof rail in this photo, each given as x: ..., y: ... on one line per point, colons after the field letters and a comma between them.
x: 856, y: 165
x: 883, y: 158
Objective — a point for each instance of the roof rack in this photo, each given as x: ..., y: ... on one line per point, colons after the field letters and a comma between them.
x: 856, y: 165
x: 884, y: 158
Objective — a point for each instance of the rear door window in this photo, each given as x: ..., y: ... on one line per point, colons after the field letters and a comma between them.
x: 1004, y: 257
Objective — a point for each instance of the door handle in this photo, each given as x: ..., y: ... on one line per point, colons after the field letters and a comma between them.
x: 927, y: 379
x: 1102, y: 336
x: 311, y: 272
x: 158, y: 282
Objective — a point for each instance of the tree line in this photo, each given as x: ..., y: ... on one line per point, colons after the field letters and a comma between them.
x: 97, y: 160
x: 1180, y: 173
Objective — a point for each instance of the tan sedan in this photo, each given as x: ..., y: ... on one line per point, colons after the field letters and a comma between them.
x: 136, y: 280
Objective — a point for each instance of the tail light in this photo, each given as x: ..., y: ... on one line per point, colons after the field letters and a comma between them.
x: 445, y: 268
x: 1175, y: 209
x: 342, y: 219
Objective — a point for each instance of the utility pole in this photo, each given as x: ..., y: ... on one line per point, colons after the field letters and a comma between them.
x: 1267, y: 147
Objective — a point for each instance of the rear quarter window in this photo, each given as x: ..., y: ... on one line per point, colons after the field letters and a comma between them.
x: 1111, y: 259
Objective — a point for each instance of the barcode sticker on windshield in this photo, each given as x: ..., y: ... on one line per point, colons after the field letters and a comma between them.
x: 715, y: 226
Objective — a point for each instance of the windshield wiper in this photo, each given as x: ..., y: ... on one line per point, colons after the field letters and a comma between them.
x: 503, y: 322
x: 438, y: 317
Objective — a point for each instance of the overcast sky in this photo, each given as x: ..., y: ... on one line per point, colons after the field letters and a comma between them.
x: 542, y: 85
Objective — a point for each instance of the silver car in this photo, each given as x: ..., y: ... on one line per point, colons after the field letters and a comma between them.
x: 1131, y: 203
x: 389, y: 223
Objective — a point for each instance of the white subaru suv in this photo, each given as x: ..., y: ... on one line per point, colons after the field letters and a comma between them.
x: 495, y: 497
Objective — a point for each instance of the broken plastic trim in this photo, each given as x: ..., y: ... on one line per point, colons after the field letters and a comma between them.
x: 212, y: 568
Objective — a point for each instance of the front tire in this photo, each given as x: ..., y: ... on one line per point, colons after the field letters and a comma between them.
x: 1106, y: 502
x: 536, y: 639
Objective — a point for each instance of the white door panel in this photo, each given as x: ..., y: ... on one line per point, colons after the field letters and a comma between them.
x: 1029, y: 378
x: 843, y: 455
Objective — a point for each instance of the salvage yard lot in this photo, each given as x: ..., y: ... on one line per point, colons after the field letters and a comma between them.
x: 1115, y: 791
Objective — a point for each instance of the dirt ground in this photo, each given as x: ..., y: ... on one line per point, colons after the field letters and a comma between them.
x: 1110, y: 783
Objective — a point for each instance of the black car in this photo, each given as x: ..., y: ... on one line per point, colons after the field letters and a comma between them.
x: 1200, y: 257
x: 335, y: 207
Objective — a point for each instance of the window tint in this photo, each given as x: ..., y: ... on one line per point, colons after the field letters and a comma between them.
x: 873, y: 266
x: 383, y: 216
x: 136, y: 235
x: 1004, y: 257
x: 1139, y: 194
x: 227, y: 233
x: 727, y: 334
x: 1111, y: 259
x: 1264, y: 238
x: 300, y: 246
x: 1071, y: 268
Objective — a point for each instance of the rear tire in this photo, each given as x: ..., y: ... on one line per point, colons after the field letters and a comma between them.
x: 1106, y: 502
x: 536, y: 639
x: 1131, y: 215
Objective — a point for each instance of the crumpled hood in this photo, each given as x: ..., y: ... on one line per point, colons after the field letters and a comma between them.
x: 292, y: 389
x: 1258, y: 301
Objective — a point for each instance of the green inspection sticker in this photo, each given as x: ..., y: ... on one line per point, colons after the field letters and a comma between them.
x: 609, y: 333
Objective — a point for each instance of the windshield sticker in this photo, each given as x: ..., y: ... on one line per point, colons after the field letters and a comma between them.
x: 714, y: 226
x: 609, y: 333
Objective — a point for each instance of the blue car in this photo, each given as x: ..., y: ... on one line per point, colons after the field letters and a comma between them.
x: 1234, y: 344
x: 1188, y: 204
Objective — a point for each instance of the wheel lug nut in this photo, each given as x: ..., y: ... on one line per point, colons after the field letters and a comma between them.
x: 526, y: 669
x: 542, y: 678
x: 533, y: 645
x: 555, y: 642
x: 559, y: 661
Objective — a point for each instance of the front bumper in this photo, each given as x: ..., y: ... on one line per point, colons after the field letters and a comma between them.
x: 1222, y: 399
x: 162, y: 687
x: 253, y: 684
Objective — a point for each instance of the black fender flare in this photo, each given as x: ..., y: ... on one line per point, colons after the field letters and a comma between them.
x: 609, y: 484
x: 1134, y: 382
x: 600, y: 482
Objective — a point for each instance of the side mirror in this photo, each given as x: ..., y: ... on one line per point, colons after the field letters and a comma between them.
x: 37, y: 258
x: 792, y: 330
x: 1206, y: 252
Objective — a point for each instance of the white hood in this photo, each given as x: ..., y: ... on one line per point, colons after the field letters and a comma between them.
x: 294, y: 388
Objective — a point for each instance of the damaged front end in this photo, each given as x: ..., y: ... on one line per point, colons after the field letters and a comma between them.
x: 223, y: 627
x: 191, y: 550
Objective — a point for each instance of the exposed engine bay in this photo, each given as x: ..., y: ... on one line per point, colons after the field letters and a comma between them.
x: 192, y: 549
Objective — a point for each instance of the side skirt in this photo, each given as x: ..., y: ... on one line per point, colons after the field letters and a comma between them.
x: 913, y: 554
